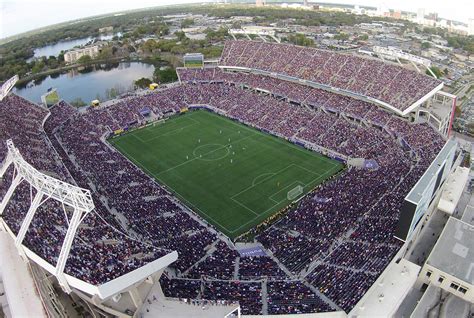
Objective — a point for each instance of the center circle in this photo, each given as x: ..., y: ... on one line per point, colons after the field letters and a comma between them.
x: 211, y: 152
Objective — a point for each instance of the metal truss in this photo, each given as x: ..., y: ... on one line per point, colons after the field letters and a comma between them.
x: 7, y: 86
x: 78, y: 199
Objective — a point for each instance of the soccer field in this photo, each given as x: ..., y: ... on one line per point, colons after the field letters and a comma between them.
x: 234, y: 176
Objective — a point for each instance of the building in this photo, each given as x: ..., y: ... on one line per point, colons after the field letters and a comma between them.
x: 470, y: 30
x: 73, y: 55
x: 420, y: 16
x: 108, y: 29
x: 450, y: 264
x: 433, y: 16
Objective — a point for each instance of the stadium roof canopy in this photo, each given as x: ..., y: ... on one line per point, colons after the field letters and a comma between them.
x: 404, y: 111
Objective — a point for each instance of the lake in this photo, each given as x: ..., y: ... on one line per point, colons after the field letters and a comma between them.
x: 93, y: 82
x: 55, y: 49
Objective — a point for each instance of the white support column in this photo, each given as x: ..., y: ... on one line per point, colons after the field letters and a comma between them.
x: 66, y: 248
x: 431, y: 72
x: 414, y: 64
x: 232, y: 313
x: 28, y: 218
x: 16, y: 181
x: 78, y: 199
x: 136, y: 298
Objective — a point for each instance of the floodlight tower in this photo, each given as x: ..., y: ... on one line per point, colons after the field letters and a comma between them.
x: 75, y: 198
x: 7, y: 86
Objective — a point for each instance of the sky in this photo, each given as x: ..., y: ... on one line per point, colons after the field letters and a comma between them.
x: 17, y: 16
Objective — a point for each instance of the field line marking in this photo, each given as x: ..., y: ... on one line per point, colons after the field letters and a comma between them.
x: 171, y: 132
x: 246, y: 207
x: 176, y: 192
x: 270, y: 176
x: 195, y: 158
x: 135, y: 136
x: 192, y: 206
x: 264, y: 212
x: 263, y: 174
x: 298, y: 182
x: 195, y: 207
x: 310, y: 171
x: 263, y: 180
x: 252, y: 132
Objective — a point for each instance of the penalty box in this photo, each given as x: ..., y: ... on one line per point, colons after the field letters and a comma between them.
x: 272, y: 189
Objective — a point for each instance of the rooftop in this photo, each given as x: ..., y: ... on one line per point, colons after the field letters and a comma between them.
x: 468, y: 215
x: 440, y: 303
x: 387, y: 293
x: 453, y: 189
x: 454, y: 251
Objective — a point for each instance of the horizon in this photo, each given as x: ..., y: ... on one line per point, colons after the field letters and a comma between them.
x: 34, y: 15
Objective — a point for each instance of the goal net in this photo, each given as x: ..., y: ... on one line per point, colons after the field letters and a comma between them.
x: 295, y: 192
x: 159, y: 122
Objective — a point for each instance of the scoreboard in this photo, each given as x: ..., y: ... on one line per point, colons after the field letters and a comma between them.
x: 193, y: 60
x: 421, y: 196
x: 50, y: 98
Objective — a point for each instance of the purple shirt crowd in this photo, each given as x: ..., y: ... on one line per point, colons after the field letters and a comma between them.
x: 334, y: 247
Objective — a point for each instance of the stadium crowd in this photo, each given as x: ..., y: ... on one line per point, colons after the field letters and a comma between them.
x: 136, y: 220
x: 389, y: 83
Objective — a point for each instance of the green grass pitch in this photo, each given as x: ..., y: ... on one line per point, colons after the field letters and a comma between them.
x: 232, y: 175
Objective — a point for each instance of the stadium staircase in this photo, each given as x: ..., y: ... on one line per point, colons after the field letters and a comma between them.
x: 323, y: 297
x: 236, y: 268
x: 264, y: 297
x: 209, y: 252
x: 282, y: 267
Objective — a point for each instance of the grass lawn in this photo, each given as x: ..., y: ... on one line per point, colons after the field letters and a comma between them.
x: 232, y: 175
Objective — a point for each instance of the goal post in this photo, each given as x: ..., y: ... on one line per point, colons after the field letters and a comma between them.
x: 295, y: 192
x: 159, y: 122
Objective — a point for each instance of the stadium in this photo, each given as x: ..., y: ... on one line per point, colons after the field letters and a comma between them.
x: 279, y: 180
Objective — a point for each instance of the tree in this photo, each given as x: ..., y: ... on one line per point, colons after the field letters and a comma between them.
x: 186, y: 23
x: 78, y: 102
x: 341, y: 36
x: 61, y: 57
x: 180, y: 35
x: 142, y: 82
x: 162, y: 29
x: 166, y: 75
x: 218, y: 35
x: 38, y: 67
x: 149, y: 45
x: 436, y: 71
x: 457, y: 111
x: 105, y: 53
x: 425, y: 45
x: 300, y: 39
x: 466, y: 162
x: 84, y: 59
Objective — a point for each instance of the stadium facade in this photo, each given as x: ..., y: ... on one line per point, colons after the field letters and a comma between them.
x: 128, y: 242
